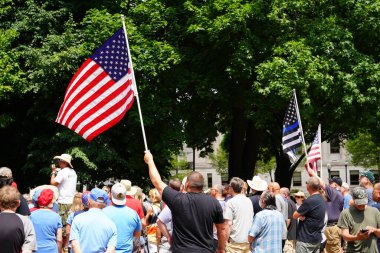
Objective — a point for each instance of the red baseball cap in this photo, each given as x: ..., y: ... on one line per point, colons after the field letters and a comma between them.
x: 45, y: 198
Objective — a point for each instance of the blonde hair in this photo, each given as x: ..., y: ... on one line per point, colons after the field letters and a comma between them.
x: 154, y: 196
x: 139, y: 195
x: 77, y: 203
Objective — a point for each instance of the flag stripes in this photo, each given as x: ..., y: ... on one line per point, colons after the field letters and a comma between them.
x: 100, y: 93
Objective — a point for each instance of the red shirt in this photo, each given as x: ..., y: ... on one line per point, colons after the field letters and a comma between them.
x: 135, y: 205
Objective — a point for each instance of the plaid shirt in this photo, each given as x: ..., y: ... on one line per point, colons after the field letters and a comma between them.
x: 267, y: 228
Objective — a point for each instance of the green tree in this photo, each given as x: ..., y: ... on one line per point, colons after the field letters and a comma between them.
x: 364, y: 151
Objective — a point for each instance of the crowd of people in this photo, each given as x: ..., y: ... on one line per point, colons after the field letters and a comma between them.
x: 181, y: 216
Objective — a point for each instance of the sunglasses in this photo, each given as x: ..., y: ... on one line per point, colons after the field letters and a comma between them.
x: 299, y: 197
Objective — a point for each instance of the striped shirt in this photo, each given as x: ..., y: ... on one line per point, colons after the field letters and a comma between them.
x: 267, y: 228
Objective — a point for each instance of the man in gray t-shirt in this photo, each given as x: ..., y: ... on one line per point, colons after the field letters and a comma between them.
x: 239, y: 217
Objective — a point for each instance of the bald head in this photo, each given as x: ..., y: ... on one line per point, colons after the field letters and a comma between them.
x: 195, y: 181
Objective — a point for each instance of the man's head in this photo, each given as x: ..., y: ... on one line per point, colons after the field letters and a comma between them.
x: 64, y: 160
x: 376, y: 192
x: 131, y: 191
x: 313, y: 185
x: 9, y: 198
x: 118, y: 193
x: 236, y: 185
x: 175, y: 184
x: 360, y: 198
x: 45, y: 199
x: 267, y: 199
x: 345, y: 188
x: 98, y: 198
x: 6, y: 177
x: 335, y: 182
x: 285, y: 192
x: 217, y: 191
x: 274, y: 188
x: 194, y: 182
x: 366, y: 179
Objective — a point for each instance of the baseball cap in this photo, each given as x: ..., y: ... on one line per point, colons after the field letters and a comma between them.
x: 359, y: 195
x: 45, y: 198
x: 99, y: 195
x: 368, y: 174
x: 118, y: 193
x: 336, y: 180
x: 345, y: 186
x: 5, y: 172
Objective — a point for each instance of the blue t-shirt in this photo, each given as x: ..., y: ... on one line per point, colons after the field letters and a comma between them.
x: 46, y: 224
x: 127, y: 222
x: 94, y: 231
x: 346, y: 201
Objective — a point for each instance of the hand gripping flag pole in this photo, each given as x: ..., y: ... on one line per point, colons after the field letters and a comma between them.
x: 134, y: 85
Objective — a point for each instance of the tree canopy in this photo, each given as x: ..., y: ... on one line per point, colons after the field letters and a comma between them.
x: 202, y: 67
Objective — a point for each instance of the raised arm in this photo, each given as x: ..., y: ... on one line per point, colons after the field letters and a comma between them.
x: 153, y: 173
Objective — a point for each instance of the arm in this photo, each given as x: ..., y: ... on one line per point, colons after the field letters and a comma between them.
x: 153, y: 173
x: 59, y: 239
x: 53, y: 175
x: 359, y: 237
x: 313, y: 174
x: 68, y: 227
x: 164, y: 230
x: 30, y: 236
x: 76, y: 246
x: 220, y: 228
x: 228, y: 225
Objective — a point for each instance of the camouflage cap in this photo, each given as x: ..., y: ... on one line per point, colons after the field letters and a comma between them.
x: 359, y: 195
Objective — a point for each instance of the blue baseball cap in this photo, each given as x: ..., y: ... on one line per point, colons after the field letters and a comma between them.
x: 99, y: 195
x: 85, y: 198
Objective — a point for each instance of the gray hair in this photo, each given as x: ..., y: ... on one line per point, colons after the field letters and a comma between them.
x: 314, y: 183
x: 219, y: 188
x: 237, y: 184
x: 268, y: 199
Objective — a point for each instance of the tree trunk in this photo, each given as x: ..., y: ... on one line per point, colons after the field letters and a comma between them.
x: 237, y: 143
x: 251, y: 150
x: 283, y: 174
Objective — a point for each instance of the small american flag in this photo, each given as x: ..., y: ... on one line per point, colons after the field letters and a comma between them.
x: 101, y: 91
x: 315, y: 152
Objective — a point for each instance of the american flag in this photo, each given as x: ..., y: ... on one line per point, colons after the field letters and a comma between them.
x: 101, y: 91
x: 291, y: 133
x: 315, y: 152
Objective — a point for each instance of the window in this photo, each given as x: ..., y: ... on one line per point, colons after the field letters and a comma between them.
x: 209, y: 180
x: 376, y: 174
x: 354, y: 177
x: 297, y: 178
x: 334, y: 173
x: 334, y: 146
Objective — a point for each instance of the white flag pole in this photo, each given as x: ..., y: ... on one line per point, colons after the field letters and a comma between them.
x: 299, y: 119
x: 134, y: 85
x: 320, y: 147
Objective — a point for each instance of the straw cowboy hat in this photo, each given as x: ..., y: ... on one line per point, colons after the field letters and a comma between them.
x: 257, y: 184
x: 65, y: 157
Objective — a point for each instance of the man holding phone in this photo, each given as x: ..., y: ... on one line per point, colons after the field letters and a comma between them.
x: 360, y: 224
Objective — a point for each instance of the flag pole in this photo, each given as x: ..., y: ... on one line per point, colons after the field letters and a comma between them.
x: 134, y: 85
x: 320, y: 147
x: 299, y: 118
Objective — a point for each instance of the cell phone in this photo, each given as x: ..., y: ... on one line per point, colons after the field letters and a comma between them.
x: 364, y: 230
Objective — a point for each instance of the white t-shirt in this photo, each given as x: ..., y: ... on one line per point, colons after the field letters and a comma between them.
x: 239, y: 210
x: 67, y: 179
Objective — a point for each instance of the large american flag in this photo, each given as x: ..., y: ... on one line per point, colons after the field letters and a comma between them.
x: 101, y: 91
x: 291, y: 132
x: 315, y: 152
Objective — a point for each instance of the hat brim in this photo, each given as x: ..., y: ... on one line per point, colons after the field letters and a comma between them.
x: 257, y: 186
x: 63, y: 159
x: 360, y: 202
x: 118, y: 202
x: 131, y: 192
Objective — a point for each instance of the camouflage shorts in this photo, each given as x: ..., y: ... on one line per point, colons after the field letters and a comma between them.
x: 64, y: 213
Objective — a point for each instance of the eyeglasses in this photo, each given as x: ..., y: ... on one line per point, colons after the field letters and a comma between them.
x: 299, y: 197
